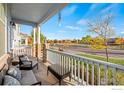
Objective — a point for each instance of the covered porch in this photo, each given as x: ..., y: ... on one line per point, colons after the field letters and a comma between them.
x: 84, y: 71
x: 35, y: 15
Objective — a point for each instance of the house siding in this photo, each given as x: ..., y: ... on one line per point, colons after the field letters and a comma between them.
x: 4, y: 57
x: 2, y: 30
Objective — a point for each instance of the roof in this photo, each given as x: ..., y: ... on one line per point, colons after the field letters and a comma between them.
x: 34, y: 13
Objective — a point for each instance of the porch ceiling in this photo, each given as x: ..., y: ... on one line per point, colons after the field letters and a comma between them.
x: 33, y: 14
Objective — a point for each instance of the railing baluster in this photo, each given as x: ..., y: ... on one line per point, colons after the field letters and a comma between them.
x: 77, y: 63
x: 56, y: 58
x: 79, y: 71
x: 64, y: 60
x: 69, y: 63
x: 114, y: 76
x: 61, y: 61
x: 22, y: 51
x: 57, y: 55
x: 82, y: 65
x: 72, y: 67
x: 52, y: 58
x: 98, y: 74
x: 106, y: 75
x: 92, y: 74
x: 87, y: 74
x: 75, y: 69
x: 31, y: 51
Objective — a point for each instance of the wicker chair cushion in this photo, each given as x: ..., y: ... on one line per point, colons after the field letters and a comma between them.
x: 15, y: 72
x: 9, y: 80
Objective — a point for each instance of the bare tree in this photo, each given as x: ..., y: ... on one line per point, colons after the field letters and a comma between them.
x: 102, y: 27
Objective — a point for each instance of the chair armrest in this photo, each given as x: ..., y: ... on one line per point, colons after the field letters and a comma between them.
x: 2, y: 67
x: 28, y: 61
x: 38, y: 83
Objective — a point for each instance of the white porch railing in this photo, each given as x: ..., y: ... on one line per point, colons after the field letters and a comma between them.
x: 87, y: 71
x: 27, y: 50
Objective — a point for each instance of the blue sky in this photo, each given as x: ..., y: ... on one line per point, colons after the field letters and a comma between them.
x: 74, y: 20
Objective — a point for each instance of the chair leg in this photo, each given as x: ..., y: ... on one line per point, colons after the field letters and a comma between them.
x: 60, y: 82
x: 47, y: 72
x: 70, y: 77
x: 37, y: 66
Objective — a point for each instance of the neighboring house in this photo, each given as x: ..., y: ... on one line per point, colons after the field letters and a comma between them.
x: 16, y: 38
x: 25, y: 39
x: 111, y: 41
x: 115, y: 41
x: 20, y: 39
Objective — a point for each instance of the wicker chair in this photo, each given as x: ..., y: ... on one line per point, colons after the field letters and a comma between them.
x: 25, y: 64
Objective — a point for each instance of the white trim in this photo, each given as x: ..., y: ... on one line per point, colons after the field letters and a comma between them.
x: 34, y: 37
x: 38, y: 36
x: 5, y: 6
x: 20, y: 21
x: 1, y: 57
x: 2, y: 21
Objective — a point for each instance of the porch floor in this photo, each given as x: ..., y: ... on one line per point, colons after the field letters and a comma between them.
x: 41, y: 75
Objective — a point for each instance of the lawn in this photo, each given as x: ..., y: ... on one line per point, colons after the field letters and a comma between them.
x: 112, y: 60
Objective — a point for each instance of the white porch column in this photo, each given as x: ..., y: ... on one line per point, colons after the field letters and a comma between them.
x: 34, y: 42
x: 38, y: 37
x: 38, y: 42
x: 34, y: 36
x: 26, y: 41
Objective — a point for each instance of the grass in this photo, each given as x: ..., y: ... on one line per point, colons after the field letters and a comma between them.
x: 112, y: 60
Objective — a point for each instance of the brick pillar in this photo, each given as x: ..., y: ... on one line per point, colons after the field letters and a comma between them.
x: 44, y: 53
x: 38, y: 50
x: 34, y: 50
x: 45, y: 46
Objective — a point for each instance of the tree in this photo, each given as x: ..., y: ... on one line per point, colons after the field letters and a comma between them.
x: 41, y: 37
x: 86, y: 40
x: 97, y: 43
x: 55, y: 41
x: 119, y: 41
x: 102, y: 27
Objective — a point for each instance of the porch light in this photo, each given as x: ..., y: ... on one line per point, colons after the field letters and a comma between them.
x: 12, y: 24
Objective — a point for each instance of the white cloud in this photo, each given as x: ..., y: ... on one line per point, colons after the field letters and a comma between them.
x: 62, y: 31
x: 69, y: 10
x: 92, y: 8
x: 73, y: 28
x: 109, y: 8
x: 122, y: 32
x: 82, y: 22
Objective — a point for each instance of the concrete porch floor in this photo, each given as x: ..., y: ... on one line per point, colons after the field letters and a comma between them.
x: 41, y: 75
